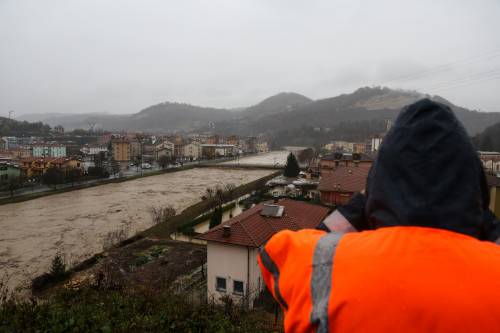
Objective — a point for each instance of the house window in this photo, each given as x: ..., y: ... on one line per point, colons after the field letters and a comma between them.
x: 220, y: 284
x: 238, y: 287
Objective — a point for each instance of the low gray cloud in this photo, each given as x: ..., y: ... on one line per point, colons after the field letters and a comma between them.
x: 120, y: 56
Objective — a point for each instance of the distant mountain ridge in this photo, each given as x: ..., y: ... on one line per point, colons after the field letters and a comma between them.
x: 280, y: 112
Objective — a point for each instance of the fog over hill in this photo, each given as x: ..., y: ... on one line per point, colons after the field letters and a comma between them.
x: 370, y: 107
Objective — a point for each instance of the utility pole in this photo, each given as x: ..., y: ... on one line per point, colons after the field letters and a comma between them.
x: 10, y: 112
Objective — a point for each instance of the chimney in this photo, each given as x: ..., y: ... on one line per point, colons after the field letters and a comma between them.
x: 226, y: 230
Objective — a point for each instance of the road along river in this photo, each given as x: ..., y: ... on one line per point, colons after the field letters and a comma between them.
x: 78, y: 223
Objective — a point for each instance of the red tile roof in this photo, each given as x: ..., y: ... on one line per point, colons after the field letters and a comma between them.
x: 345, y: 179
x: 251, y: 229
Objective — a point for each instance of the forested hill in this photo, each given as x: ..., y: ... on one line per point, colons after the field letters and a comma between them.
x: 10, y: 127
x: 355, y: 115
x: 489, y: 139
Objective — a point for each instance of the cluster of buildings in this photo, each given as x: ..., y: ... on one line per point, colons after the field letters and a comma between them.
x: 126, y: 148
x: 332, y: 179
x: 491, y: 161
x: 31, y: 157
x: 17, y: 148
x: 371, y: 145
x: 35, y: 167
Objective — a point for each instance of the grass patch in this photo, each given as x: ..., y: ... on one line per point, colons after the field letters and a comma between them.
x: 149, y: 255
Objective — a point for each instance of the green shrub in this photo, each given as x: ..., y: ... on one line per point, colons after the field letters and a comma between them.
x: 97, y: 310
x: 58, y: 267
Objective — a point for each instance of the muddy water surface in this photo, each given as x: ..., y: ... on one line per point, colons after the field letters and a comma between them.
x: 78, y: 223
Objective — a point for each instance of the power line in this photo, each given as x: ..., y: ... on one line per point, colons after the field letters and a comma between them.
x: 445, y: 67
x: 497, y: 77
x: 472, y: 77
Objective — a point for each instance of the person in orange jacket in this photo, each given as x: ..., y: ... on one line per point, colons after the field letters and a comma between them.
x: 423, y: 261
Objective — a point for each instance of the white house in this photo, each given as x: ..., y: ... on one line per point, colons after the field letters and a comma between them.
x: 192, y: 150
x: 233, y: 246
x: 164, y: 148
x: 217, y: 150
x: 93, y: 150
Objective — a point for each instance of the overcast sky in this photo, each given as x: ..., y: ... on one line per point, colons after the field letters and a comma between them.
x: 121, y: 56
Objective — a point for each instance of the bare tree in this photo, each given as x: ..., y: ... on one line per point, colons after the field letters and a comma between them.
x: 219, y: 196
x: 14, y: 184
x: 115, y: 237
x: 229, y: 189
x: 164, y: 161
x: 162, y: 214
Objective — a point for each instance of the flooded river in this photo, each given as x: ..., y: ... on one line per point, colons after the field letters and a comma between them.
x: 77, y: 224
x: 273, y: 158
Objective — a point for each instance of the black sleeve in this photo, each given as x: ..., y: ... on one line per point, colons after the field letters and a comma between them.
x: 354, y: 212
x: 490, y: 227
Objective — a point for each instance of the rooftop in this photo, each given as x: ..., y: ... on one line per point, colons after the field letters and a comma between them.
x: 346, y: 179
x: 217, y: 145
x: 251, y: 228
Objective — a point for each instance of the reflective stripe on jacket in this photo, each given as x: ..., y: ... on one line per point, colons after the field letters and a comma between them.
x: 394, y: 279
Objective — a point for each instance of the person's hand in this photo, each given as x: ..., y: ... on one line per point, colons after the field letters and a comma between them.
x: 336, y: 222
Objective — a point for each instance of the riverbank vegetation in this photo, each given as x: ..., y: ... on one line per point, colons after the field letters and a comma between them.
x: 146, y: 286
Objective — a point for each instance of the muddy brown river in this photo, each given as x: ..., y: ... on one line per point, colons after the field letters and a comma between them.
x: 78, y: 223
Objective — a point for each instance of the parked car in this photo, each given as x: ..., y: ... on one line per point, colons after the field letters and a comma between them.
x: 146, y: 166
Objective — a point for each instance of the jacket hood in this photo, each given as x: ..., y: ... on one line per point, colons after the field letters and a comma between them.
x: 427, y: 173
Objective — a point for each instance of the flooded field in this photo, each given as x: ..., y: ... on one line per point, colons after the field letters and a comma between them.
x: 77, y: 224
